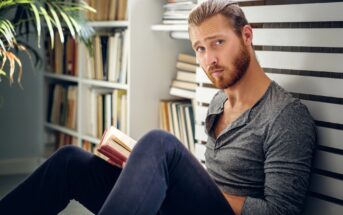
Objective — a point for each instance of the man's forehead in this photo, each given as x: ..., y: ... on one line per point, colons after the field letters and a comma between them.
x: 216, y: 25
x: 198, y: 34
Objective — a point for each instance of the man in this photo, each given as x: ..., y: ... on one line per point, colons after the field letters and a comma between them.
x: 256, y: 130
x: 258, y: 155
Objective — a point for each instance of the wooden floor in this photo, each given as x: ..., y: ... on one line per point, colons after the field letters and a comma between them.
x: 8, y: 182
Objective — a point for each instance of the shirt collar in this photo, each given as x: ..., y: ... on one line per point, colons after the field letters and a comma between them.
x: 218, y: 107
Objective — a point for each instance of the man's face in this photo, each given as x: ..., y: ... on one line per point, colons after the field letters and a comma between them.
x: 221, y: 53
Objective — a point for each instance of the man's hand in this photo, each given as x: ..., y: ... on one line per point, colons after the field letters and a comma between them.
x: 236, y: 202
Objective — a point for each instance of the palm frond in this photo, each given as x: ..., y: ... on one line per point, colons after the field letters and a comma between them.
x: 38, y: 22
x: 57, y: 21
x: 8, y: 56
x: 56, y: 14
x: 48, y: 21
x: 7, y: 32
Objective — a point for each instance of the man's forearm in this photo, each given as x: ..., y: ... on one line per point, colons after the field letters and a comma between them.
x: 236, y: 202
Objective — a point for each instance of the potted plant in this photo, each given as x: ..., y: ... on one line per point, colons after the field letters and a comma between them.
x: 21, y: 17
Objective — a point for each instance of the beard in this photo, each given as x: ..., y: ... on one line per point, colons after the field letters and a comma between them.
x: 231, y: 76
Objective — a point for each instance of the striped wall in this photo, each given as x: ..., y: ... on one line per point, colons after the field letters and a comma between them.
x: 300, y: 46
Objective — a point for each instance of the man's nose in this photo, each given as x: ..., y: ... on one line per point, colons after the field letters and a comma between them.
x: 210, y: 59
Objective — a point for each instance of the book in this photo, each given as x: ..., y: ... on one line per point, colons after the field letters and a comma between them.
x: 116, y: 146
x: 122, y: 10
x: 124, y: 59
x: 186, y: 58
x: 184, y: 85
x: 71, y: 107
x: 189, y: 121
x: 186, y: 66
x: 112, y: 10
x: 98, y: 62
x: 182, y: 93
x: 58, y: 55
x: 186, y: 76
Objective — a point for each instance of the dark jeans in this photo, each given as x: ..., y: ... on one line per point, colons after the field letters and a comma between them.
x: 161, y: 176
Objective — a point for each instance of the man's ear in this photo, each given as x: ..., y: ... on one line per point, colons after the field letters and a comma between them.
x: 247, y: 34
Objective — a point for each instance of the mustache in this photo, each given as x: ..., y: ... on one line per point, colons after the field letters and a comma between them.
x: 215, y: 67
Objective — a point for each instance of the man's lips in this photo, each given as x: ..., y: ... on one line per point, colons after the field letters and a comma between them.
x: 216, y: 73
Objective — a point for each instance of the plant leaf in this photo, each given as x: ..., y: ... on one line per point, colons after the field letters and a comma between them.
x: 75, y: 24
x: 57, y: 22
x: 36, y: 13
x: 2, y: 45
x: 6, y: 28
x: 12, y: 65
x: 48, y: 22
x: 2, y: 72
x: 4, y: 59
x: 66, y: 20
x: 16, y: 59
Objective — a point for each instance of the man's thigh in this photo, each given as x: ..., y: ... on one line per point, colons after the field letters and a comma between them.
x: 191, y: 190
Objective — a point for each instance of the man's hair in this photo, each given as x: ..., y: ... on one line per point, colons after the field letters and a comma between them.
x: 229, y: 9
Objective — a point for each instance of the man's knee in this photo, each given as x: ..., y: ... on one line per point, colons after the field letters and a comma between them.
x: 159, y: 140
x: 67, y: 152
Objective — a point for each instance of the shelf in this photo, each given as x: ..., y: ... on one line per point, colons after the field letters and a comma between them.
x: 179, y: 35
x: 61, y: 77
x: 108, y: 24
x: 168, y: 28
x: 106, y: 84
x: 90, y: 139
x: 176, y: 31
x: 61, y: 129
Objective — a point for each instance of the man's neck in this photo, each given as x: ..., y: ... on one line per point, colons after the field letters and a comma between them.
x: 247, y: 91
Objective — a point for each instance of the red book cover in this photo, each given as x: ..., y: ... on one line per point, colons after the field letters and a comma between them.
x: 111, y: 153
x: 116, y: 146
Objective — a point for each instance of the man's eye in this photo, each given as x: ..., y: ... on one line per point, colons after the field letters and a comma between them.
x: 219, y: 42
x: 199, y: 49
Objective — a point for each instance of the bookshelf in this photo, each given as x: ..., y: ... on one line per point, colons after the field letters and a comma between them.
x: 179, y: 33
x: 148, y: 78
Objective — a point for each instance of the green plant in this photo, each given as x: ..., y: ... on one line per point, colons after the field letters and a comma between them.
x: 18, y: 17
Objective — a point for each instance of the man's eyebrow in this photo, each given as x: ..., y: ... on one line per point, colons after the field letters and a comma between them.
x: 207, y: 38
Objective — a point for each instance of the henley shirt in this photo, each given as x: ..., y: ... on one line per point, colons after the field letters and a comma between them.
x: 265, y: 154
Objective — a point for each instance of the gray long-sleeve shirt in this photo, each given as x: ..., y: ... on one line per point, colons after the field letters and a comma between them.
x: 265, y: 154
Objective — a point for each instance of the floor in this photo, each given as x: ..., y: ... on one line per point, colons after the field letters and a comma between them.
x: 8, y: 182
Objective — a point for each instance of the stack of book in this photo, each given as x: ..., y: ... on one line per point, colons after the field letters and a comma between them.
x: 110, y: 58
x: 185, y: 84
x: 62, y: 105
x: 62, y: 56
x: 107, y: 10
x: 176, y: 117
x: 106, y: 108
x: 177, y: 11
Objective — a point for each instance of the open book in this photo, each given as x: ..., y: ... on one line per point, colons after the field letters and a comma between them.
x: 116, y: 146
